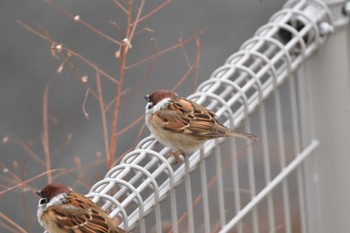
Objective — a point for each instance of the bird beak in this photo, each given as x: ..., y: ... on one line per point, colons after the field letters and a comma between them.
x: 39, y: 193
x: 146, y: 97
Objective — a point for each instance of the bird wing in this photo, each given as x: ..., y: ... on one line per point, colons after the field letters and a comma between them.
x: 79, y: 218
x: 187, y: 117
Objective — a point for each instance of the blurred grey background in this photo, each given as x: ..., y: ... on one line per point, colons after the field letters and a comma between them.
x: 27, y: 67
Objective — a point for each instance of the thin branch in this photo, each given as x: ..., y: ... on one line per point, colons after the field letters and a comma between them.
x: 82, y: 22
x: 129, y: 19
x: 25, y: 209
x: 58, y: 170
x: 79, y: 77
x: 28, y: 150
x: 103, y: 114
x: 114, y: 136
x: 86, y: 114
x: 159, y: 7
x: 183, y: 78
x: 136, y: 22
x: 185, y: 54
x: 120, y: 6
x: 143, y: 30
x: 8, y: 228
x: 116, y: 25
x: 197, y: 61
x: 147, y: 77
x: 123, y: 55
x: 164, y: 51
x: 192, y: 66
x: 140, y: 133
x: 12, y: 223
x: 45, y: 134
x: 12, y: 176
x: 6, y: 180
x: 122, y: 131
x: 84, y: 79
x: 69, y: 51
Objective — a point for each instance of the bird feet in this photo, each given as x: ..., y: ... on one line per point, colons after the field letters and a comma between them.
x: 176, y: 154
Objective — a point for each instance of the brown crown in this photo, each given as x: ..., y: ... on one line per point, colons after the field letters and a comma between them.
x: 52, y: 190
x: 160, y: 94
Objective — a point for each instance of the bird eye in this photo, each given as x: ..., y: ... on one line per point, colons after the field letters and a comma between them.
x: 43, y: 201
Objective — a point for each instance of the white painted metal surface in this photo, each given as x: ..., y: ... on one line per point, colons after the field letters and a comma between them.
x: 233, y: 186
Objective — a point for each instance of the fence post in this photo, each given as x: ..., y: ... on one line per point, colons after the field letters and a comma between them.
x: 327, y: 77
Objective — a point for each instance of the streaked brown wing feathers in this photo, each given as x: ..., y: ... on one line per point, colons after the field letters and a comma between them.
x: 79, y: 218
x: 188, y: 117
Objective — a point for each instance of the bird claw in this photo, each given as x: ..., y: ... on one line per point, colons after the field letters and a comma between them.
x: 175, y: 154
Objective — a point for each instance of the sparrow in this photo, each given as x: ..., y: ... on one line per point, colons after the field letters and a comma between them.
x: 182, y: 124
x: 62, y: 210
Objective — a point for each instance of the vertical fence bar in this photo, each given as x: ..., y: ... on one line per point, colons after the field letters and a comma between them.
x: 297, y: 148
x: 173, y: 211
x: 220, y: 190
x: 267, y: 168
x: 236, y: 186
x: 252, y: 183
x: 204, y: 182
x: 189, y: 199
x: 282, y: 156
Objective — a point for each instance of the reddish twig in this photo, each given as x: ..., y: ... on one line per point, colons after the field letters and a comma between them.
x: 116, y: 25
x: 25, y: 209
x: 103, y: 114
x: 136, y: 22
x: 145, y: 79
x: 27, y: 149
x: 82, y: 22
x: 188, y: 72
x: 120, y: 6
x: 164, y: 51
x: 12, y: 223
x: 158, y: 8
x: 191, y: 67
x: 45, y: 134
x: 123, y: 54
x: 140, y: 133
x: 185, y: 54
x: 13, y: 178
x: 58, y: 170
x: 69, y: 51
x: 122, y: 131
x: 114, y: 136
x: 196, y: 64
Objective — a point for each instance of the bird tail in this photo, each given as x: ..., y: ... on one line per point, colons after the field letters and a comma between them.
x: 243, y: 135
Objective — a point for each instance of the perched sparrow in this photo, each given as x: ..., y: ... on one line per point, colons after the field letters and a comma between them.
x: 182, y: 124
x: 61, y: 210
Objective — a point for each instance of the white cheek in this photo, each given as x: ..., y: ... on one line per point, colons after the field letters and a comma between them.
x: 161, y: 104
x: 57, y: 200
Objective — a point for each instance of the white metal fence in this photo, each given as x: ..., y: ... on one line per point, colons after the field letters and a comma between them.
x: 267, y: 87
